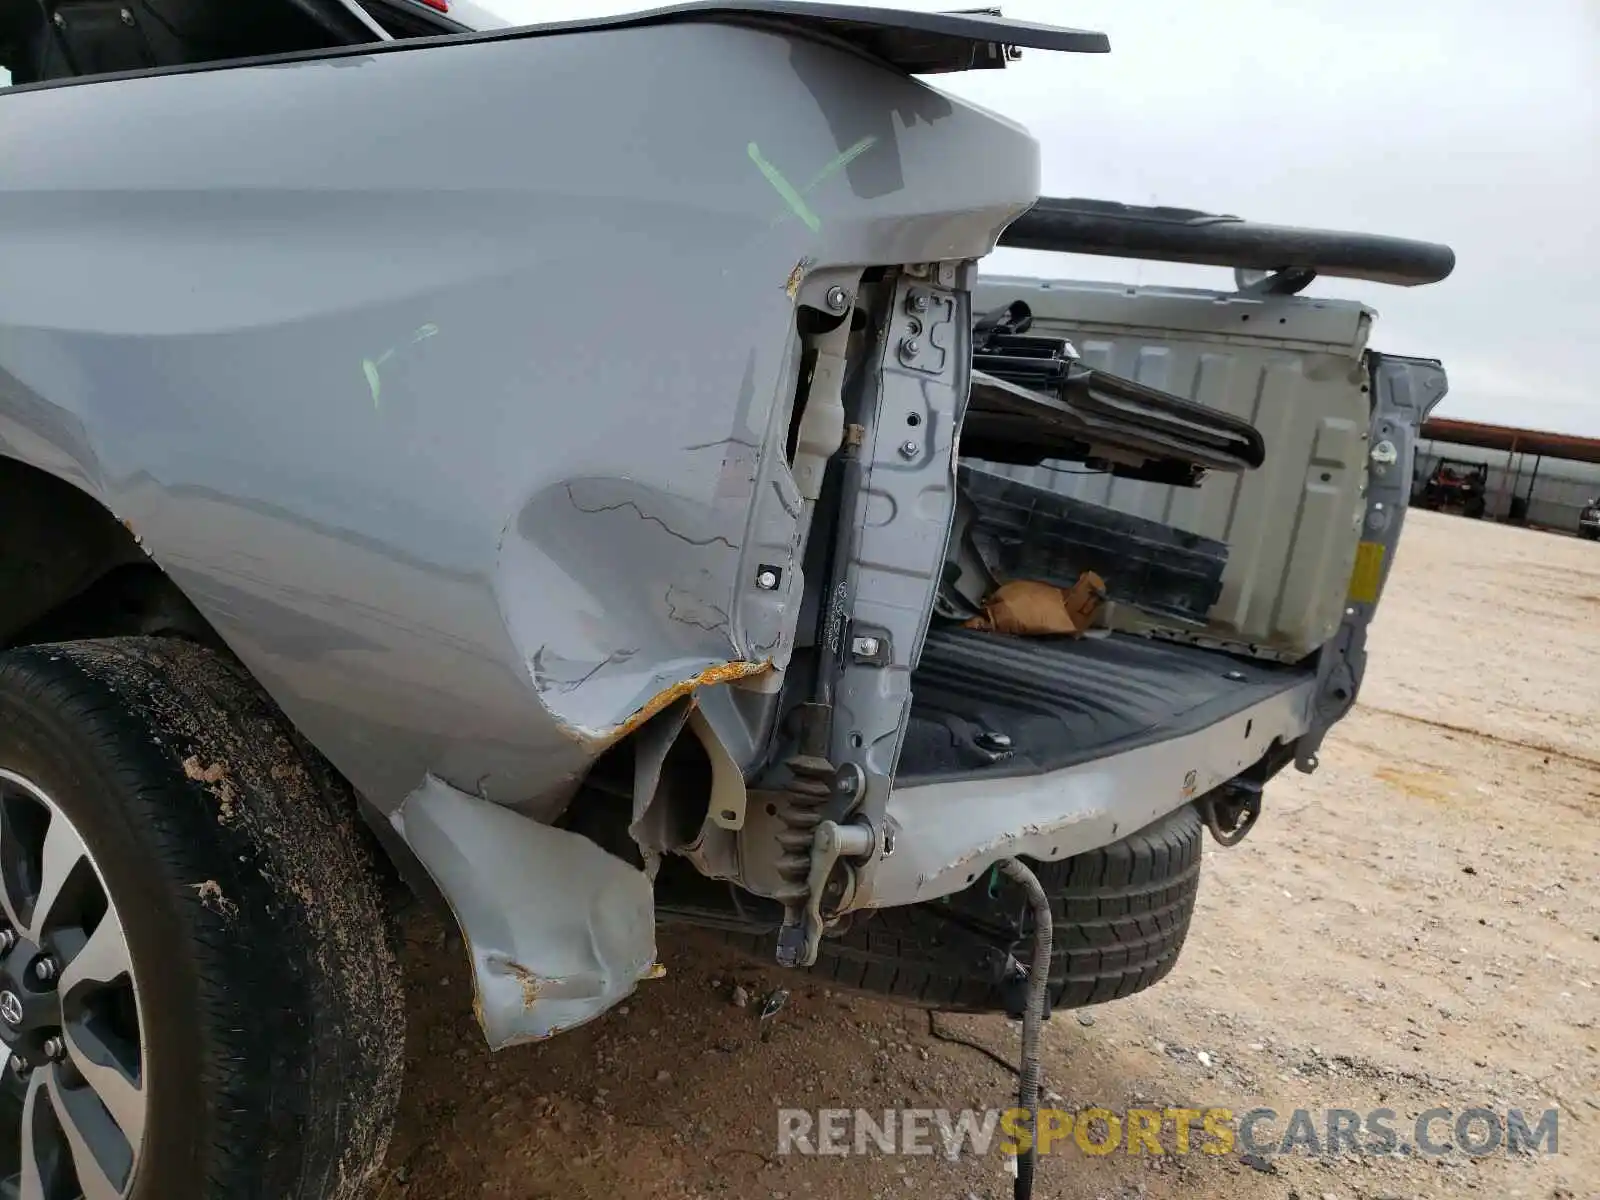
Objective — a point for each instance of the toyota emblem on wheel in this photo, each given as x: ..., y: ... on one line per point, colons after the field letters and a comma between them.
x: 11, y: 1008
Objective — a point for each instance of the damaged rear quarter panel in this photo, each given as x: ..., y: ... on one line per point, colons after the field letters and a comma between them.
x: 451, y: 383
x: 455, y: 420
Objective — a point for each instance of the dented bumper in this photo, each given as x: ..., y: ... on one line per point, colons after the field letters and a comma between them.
x: 557, y: 930
x: 944, y: 835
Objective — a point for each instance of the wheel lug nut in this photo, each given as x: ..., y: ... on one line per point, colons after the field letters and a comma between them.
x: 20, y: 1065
x: 54, y: 1049
x: 46, y: 969
x: 8, y: 939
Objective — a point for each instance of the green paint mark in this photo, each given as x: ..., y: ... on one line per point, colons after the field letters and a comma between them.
x: 798, y: 203
x: 994, y: 881
x: 369, y: 366
x: 784, y: 188
x: 839, y: 162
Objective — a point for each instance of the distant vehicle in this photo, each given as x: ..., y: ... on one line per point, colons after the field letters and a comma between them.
x: 1455, y: 486
x: 1589, y: 520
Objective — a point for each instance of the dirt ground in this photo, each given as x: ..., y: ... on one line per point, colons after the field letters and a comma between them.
x: 1415, y: 926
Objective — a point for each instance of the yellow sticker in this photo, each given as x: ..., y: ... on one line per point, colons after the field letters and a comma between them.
x: 1367, y: 575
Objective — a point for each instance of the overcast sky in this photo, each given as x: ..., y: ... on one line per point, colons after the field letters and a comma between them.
x: 1472, y: 122
x: 1458, y: 121
x: 1461, y: 121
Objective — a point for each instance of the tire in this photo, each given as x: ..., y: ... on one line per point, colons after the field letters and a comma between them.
x: 1121, y: 914
x: 266, y: 1027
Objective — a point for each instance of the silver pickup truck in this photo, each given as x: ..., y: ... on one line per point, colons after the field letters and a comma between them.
x: 579, y: 472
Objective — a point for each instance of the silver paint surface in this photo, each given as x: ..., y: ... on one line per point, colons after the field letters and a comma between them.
x: 451, y: 384
x: 947, y: 834
x: 557, y: 929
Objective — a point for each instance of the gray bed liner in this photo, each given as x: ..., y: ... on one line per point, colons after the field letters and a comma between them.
x: 1064, y: 701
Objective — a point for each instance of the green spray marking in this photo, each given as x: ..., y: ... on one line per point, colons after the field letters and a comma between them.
x: 369, y: 367
x: 796, y: 198
x: 370, y: 370
x: 784, y: 188
x: 839, y: 162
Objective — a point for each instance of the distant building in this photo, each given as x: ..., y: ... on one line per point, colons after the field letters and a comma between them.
x: 1535, y: 477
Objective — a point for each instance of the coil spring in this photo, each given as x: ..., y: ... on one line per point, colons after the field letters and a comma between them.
x: 808, y: 795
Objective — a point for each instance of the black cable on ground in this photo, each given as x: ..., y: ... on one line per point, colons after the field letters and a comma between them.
x: 1032, y: 1017
x: 957, y: 1040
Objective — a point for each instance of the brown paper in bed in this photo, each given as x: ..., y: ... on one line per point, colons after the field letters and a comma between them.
x: 1029, y: 608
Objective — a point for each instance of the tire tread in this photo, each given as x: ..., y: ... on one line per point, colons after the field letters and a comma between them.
x: 1121, y: 916
x: 299, y: 1016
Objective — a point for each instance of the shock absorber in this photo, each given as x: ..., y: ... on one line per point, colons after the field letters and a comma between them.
x: 807, y: 798
x: 809, y: 844
x: 803, y: 808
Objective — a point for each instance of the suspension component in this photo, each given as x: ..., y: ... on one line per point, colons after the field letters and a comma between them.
x: 831, y: 851
x: 801, y: 811
x: 807, y: 840
x: 817, y: 791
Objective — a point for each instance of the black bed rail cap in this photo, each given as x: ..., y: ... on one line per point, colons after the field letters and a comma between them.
x: 1105, y: 227
x: 919, y: 43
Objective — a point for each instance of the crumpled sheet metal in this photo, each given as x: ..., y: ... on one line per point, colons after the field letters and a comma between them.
x: 558, y: 929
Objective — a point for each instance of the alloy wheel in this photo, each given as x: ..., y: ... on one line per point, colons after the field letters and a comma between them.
x: 73, y: 1082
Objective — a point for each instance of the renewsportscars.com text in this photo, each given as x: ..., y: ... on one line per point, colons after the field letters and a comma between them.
x: 1436, y: 1132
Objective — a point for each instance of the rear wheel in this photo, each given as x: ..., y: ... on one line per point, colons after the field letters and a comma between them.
x: 199, y: 996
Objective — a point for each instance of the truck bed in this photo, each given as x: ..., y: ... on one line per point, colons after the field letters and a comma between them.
x: 1064, y: 701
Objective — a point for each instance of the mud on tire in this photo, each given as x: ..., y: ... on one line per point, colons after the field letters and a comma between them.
x: 268, y: 990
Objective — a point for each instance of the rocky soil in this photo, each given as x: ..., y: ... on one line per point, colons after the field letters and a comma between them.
x: 1415, y: 926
